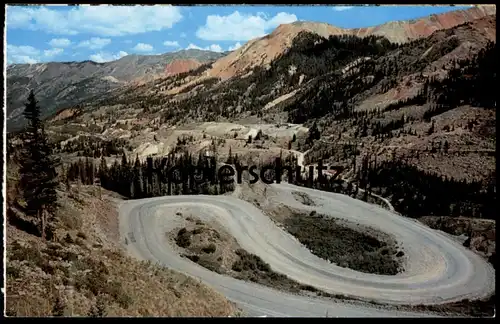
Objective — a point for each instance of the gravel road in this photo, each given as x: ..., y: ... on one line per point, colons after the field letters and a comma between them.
x: 437, y: 269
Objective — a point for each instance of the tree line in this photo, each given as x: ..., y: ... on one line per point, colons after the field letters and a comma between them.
x: 414, y: 192
x: 174, y: 174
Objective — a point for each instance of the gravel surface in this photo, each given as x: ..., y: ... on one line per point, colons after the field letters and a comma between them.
x: 437, y: 269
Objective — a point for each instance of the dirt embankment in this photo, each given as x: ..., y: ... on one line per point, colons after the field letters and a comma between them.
x: 83, y: 271
x: 480, y: 233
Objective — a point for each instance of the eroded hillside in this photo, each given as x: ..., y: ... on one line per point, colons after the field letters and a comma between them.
x: 62, y: 85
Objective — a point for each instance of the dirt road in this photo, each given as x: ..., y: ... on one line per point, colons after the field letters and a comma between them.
x: 437, y: 269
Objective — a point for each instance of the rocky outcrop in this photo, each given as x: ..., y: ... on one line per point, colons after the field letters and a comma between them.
x: 65, y: 114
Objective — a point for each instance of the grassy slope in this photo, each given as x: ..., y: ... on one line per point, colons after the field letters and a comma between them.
x: 85, y: 261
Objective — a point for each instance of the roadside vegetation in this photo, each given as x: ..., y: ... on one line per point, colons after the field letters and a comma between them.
x: 64, y: 255
x: 357, y: 249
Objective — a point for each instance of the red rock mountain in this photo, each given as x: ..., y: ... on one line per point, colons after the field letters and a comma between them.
x: 181, y: 66
x: 262, y: 51
x: 403, y: 31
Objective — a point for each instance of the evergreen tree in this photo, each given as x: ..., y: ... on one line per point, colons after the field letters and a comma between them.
x: 38, y: 174
x: 59, y: 307
x: 98, y: 308
x: 314, y: 133
x: 431, y: 129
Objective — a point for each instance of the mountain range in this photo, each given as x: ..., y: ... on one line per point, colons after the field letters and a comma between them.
x: 65, y: 85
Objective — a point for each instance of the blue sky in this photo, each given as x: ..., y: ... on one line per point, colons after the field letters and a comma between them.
x: 104, y: 33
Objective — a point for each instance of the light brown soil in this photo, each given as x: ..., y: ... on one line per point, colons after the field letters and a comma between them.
x: 84, y: 265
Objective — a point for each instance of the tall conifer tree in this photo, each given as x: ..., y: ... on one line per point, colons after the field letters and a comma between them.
x: 38, y: 169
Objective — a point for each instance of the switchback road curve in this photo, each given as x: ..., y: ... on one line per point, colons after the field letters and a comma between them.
x: 437, y: 269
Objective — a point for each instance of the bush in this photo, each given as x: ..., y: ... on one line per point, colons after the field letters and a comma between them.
x: 249, y: 262
x: 183, y: 238
x: 13, y: 272
x: 68, y: 239
x: 210, y: 248
x: 115, y: 290
x: 98, y: 308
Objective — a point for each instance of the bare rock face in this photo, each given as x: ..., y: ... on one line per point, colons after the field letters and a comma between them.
x: 181, y: 66
x: 65, y: 114
x: 404, y: 31
x: 262, y: 51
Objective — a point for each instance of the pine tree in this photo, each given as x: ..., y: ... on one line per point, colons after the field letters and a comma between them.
x: 103, y: 171
x: 98, y: 308
x: 38, y: 174
x: 314, y: 133
x: 59, y: 307
x: 431, y: 129
x: 446, y: 146
x: 137, y: 183
x: 230, y: 157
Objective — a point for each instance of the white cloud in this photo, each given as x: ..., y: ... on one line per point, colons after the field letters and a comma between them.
x: 183, y: 35
x: 141, y: 47
x: 213, y: 47
x: 97, y: 20
x: 192, y: 46
x: 234, y: 47
x: 22, y: 54
x: 102, y: 57
x: 95, y: 43
x: 241, y: 27
x: 171, y: 43
x: 60, y: 42
x: 22, y: 59
x: 29, y: 54
x: 342, y: 8
x: 25, y: 50
x: 53, y: 52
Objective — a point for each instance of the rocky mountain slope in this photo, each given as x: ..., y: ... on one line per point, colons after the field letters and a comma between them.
x: 181, y: 66
x: 315, y: 75
x: 411, y: 124
x: 59, y: 85
x: 418, y: 100
x: 262, y: 51
x: 403, y: 31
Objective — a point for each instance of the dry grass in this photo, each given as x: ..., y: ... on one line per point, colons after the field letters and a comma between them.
x: 65, y: 277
